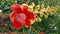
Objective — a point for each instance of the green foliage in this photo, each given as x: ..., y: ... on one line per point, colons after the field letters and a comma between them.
x: 50, y: 25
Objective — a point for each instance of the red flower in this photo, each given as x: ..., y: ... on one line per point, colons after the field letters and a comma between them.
x: 21, y: 16
x: 42, y: 33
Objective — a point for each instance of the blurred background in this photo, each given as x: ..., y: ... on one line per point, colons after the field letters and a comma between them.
x: 51, y: 25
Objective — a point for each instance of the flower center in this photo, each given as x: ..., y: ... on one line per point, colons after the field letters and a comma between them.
x: 21, y: 17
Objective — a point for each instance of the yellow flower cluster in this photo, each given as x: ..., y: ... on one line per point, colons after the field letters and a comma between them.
x: 42, y: 10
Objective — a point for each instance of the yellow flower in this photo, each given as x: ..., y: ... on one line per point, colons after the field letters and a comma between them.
x: 42, y: 6
x: 33, y: 5
x: 37, y: 7
x: 32, y: 22
x: 48, y: 9
x: 51, y: 13
x: 36, y: 11
x: 30, y: 8
x: 46, y: 13
x: 45, y: 16
x: 39, y: 19
x: 41, y: 14
x: 43, y: 10
x: 24, y: 4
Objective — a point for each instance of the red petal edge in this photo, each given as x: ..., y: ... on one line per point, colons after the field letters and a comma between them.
x: 17, y: 25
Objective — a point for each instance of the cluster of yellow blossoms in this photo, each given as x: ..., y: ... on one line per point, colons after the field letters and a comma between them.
x: 42, y: 10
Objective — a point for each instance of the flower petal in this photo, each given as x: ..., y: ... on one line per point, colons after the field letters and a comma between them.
x: 30, y: 16
x: 16, y: 8
x: 17, y: 25
x: 25, y: 8
x: 13, y: 16
x: 27, y: 23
